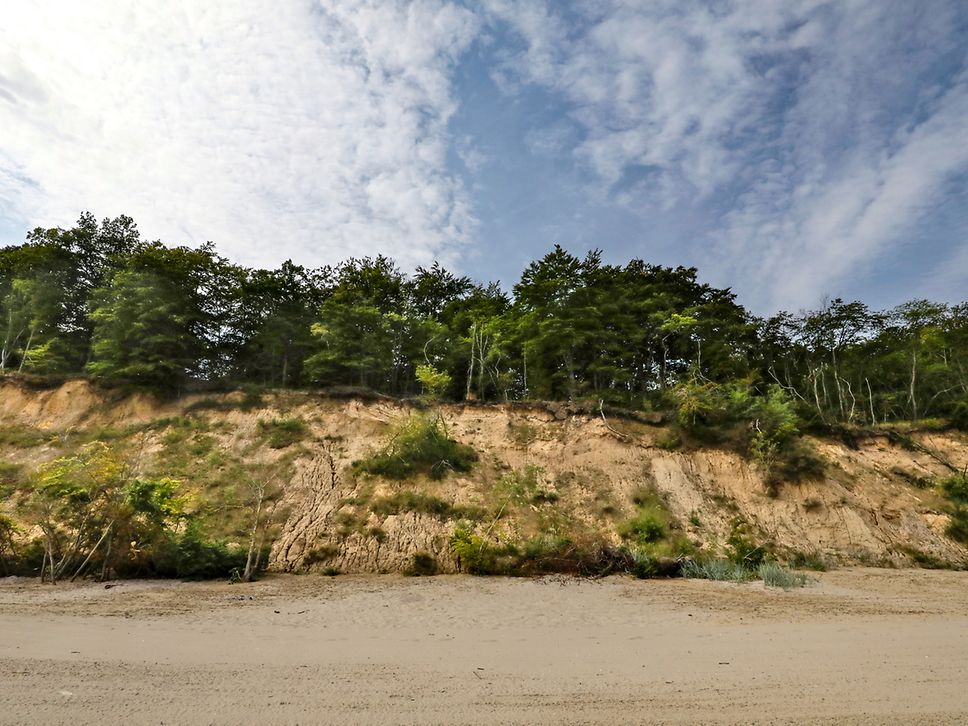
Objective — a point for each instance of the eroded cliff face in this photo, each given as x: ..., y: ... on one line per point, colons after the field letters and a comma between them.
x: 867, y: 508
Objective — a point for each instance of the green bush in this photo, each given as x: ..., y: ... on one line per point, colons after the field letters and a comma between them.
x: 646, y: 527
x: 419, y: 445
x: 190, y: 555
x: 744, y: 549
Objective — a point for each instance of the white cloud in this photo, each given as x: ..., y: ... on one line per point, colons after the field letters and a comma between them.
x: 814, y: 134
x: 293, y: 129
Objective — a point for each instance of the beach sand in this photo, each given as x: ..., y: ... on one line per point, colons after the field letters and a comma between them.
x: 861, y: 646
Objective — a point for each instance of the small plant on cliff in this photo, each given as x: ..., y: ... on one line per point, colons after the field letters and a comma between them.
x: 955, y: 488
x: 419, y: 445
x: 283, y: 432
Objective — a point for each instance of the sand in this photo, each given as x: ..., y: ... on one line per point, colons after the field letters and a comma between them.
x: 862, y: 646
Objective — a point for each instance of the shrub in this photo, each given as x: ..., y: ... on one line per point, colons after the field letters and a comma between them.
x: 23, y: 437
x: 283, y: 432
x: 775, y: 576
x: 191, y: 556
x: 419, y: 445
x: 744, y: 548
x: 434, y: 382
x: 646, y: 527
x: 808, y: 561
x: 422, y: 564
x: 536, y: 556
x: 955, y: 488
x: 10, y: 474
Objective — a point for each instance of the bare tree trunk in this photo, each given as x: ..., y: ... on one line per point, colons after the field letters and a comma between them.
x: 23, y: 358
x: 911, y: 395
x: 107, y: 531
x: 470, y: 368
x: 870, y: 397
x: 250, y: 559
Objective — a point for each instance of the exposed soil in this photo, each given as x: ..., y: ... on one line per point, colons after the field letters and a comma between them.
x: 863, y: 646
x: 873, y: 505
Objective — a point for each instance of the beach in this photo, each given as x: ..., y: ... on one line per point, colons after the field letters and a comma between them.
x: 861, y: 646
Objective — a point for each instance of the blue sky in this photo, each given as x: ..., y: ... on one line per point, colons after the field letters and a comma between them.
x: 791, y: 150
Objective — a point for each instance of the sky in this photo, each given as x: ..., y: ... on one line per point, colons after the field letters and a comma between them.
x: 792, y: 150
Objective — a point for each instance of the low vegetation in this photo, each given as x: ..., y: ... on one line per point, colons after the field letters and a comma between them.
x: 282, y: 432
x: 955, y: 489
x: 419, y: 445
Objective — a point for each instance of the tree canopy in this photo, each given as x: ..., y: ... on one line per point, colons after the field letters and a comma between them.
x: 98, y: 300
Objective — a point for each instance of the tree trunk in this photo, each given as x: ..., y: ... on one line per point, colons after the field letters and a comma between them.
x: 250, y: 561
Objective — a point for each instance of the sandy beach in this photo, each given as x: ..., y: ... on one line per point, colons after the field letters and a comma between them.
x: 861, y: 646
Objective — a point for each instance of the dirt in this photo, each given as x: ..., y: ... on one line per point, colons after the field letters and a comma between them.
x: 861, y: 646
x: 872, y: 505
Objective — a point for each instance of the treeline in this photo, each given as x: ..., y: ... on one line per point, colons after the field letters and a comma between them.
x: 98, y: 300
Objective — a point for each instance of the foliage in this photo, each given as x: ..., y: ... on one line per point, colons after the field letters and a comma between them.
x: 23, y: 437
x: 96, y: 298
x: 545, y: 554
x: 422, y: 564
x: 191, y: 555
x: 523, y: 487
x: 283, y: 432
x: 807, y: 561
x: 409, y: 501
x: 95, y: 515
x: 419, y: 444
x: 716, y: 569
x: 744, y: 549
x: 775, y: 576
x: 435, y: 383
x: 955, y: 488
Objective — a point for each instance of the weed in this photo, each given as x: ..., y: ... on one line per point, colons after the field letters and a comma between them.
x: 10, y: 474
x: 775, y: 576
x: 807, y: 561
x: 521, y: 433
x: 716, y: 569
x: 925, y: 560
x: 668, y: 440
x: 694, y: 520
x: 331, y: 571
x: 812, y: 504
x: 377, y: 533
x: 523, y: 487
x: 409, y: 501
x: 24, y: 437
x: 347, y: 523
x: 283, y: 432
x: 955, y: 488
x: 419, y: 445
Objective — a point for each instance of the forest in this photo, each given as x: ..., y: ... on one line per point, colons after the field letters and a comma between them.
x: 97, y: 300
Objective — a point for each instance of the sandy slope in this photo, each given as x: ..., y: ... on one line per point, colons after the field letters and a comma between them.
x: 864, y: 646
